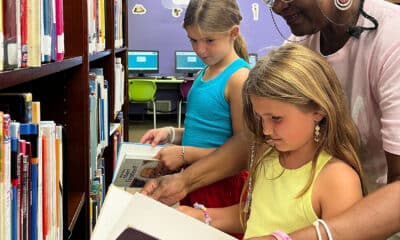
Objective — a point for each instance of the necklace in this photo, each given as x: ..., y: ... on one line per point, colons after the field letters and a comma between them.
x: 249, y: 188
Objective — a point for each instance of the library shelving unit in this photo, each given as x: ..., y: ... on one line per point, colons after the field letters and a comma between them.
x: 63, y: 91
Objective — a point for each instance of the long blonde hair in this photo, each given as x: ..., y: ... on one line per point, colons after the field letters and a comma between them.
x: 216, y: 16
x: 297, y: 75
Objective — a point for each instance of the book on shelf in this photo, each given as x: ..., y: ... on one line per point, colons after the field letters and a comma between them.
x: 135, y: 164
x: 5, y: 178
x: 60, y: 49
x: 10, y: 34
x: 24, y: 33
x: 47, y: 26
x: 125, y: 215
x: 34, y: 36
x: 1, y: 41
x: 18, y: 105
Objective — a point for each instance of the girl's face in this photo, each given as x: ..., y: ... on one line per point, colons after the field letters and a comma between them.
x: 288, y: 127
x: 212, y: 48
x: 304, y: 17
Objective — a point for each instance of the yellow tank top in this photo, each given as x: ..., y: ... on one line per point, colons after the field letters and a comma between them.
x: 274, y: 204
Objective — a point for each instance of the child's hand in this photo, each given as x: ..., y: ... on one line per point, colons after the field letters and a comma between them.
x: 171, y: 157
x: 156, y: 136
x: 193, y: 212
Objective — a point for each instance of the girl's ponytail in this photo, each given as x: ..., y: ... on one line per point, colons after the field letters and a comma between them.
x: 241, y: 48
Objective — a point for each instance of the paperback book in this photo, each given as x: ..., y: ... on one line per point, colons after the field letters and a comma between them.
x: 136, y: 164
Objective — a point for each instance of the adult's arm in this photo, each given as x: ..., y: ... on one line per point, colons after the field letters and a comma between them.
x: 226, y: 161
x: 393, y: 162
x: 376, y: 216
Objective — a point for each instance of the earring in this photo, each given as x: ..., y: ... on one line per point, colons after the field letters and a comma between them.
x: 316, y: 132
x: 343, y: 4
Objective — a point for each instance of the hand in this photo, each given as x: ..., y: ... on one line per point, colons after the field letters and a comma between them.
x: 171, y: 157
x: 193, y: 212
x: 156, y: 136
x: 168, y: 189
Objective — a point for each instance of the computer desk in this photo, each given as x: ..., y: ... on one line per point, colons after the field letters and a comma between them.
x: 167, y: 89
x: 173, y: 83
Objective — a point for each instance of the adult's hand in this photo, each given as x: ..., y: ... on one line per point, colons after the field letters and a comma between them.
x: 168, y: 189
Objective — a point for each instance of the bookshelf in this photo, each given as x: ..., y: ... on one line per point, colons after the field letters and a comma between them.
x: 63, y: 90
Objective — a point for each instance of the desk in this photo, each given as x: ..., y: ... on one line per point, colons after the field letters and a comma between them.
x: 156, y: 80
x: 167, y: 95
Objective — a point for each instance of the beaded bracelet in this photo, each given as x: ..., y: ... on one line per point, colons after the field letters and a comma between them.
x: 204, y: 209
x: 183, y: 155
x: 280, y: 235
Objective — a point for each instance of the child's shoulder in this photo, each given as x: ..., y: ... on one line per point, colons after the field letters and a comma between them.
x: 336, y: 188
x: 339, y: 177
x: 337, y: 171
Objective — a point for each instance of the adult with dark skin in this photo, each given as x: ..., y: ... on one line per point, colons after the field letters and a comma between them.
x: 361, y: 45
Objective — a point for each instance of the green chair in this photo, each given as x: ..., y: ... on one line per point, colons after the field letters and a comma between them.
x: 143, y: 91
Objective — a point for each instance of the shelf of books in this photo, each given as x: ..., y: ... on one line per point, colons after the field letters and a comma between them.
x: 62, y: 113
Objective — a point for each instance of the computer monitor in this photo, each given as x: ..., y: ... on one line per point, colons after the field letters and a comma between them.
x: 141, y: 62
x: 253, y: 57
x: 188, y: 62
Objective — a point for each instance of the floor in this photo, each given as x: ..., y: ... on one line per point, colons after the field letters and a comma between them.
x: 139, y: 124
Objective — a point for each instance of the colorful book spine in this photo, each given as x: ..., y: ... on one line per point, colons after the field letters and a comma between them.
x: 59, y: 181
x: 6, y: 154
x: 30, y: 133
x: 10, y: 34
x: 23, y: 190
x: 2, y: 188
x: 59, y: 30
x: 34, y: 46
x: 14, y: 134
x: 1, y: 39
x: 24, y: 33
x: 45, y: 206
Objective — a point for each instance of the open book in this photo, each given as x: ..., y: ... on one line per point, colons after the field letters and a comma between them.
x: 135, y: 216
x: 135, y: 164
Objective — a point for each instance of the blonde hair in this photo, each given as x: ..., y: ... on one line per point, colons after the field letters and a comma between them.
x: 297, y: 75
x: 216, y: 16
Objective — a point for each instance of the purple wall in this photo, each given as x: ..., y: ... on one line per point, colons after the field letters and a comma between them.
x: 159, y: 30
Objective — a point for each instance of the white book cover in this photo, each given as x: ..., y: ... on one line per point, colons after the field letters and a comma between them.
x: 123, y: 210
x: 135, y: 164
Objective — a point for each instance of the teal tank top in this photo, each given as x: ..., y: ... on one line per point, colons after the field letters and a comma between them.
x: 208, y: 122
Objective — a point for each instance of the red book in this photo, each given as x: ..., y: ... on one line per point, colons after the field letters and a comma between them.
x: 24, y: 33
x: 44, y: 187
x: 59, y: 30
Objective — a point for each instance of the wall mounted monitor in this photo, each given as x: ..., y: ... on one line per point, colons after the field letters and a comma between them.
x: 141, y: 62
x: 253, y: 57
x: 188, y: 62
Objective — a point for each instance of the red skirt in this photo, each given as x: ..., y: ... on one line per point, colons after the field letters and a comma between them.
x: 223, y: 193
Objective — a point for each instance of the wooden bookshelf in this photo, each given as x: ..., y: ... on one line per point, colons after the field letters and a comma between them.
x: 63, y: 90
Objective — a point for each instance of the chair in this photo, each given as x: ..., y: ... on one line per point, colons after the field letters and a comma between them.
x: 184, y: 90
x: 143, y: 91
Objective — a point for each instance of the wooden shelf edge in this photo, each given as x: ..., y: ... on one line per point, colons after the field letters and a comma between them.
x: 75, y: 204
x: 98, y: 55
x: 118, y: 50
x: 22, y: 75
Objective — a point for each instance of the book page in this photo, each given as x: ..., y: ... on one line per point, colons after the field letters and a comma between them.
x: 123, y: 210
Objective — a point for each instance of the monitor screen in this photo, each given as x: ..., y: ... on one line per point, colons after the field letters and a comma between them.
x: 188, y: 62
x: 253, y: 59
x: 142, y: 61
